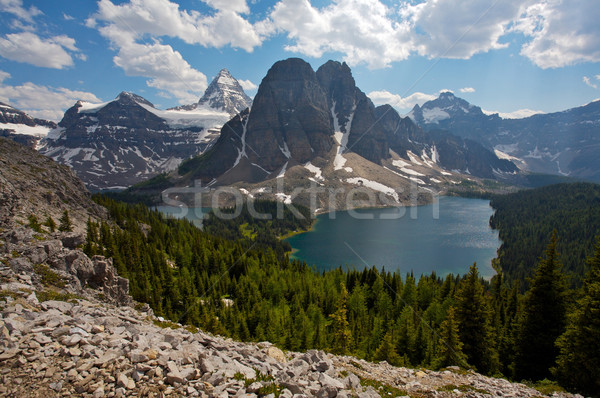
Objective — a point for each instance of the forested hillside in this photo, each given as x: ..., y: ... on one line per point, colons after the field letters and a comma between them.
x: 526, y: 219
x: 232, y: 288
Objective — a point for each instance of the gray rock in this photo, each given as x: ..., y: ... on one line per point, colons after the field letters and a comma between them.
x: 327, y: 392
x: 328, y: 381
x: 352, y: 381
x: 72, y: 240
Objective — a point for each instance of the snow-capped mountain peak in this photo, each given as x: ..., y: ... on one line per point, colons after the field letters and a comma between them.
x: 224, y: 94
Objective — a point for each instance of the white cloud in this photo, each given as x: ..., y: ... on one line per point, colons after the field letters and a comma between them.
x: 28, y: 47
x: 467, y: 90
x: 16, y: 8
x: 238, y: 6
x: 42, y: 101
x: 4, y: 76
x: 562, y: 33
x: 247, y: 85
x: 364, y: 31
x: 67, y: 17
x: 164, y: 18
x: 518, y: 114
x: 557, y: 33
x: 128, y: 24
x: 166, y: 68
x: 403, y: 104
x: 588, y: 81
x: 597, y: 77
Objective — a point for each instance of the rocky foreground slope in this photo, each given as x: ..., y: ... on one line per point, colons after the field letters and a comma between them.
x: 68, y: 326
x: 80, y: 346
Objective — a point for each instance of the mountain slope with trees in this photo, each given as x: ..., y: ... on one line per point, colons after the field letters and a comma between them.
x: 525, y: 221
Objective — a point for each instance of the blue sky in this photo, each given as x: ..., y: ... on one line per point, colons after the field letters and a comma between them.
x: 513, y: 57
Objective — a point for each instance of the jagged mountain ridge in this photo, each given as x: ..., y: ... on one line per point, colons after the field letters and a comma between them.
x: 19, y: 126
x: 124, y: 141
x: 563, y: 143
x: 299, y: 115
x: 224, y: 93
x: 319, y: 127
x: 119, y: 143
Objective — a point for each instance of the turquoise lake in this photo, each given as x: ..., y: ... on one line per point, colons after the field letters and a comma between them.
x: 445, y: 237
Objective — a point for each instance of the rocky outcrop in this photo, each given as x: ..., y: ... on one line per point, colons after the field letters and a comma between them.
x: 56, y: 261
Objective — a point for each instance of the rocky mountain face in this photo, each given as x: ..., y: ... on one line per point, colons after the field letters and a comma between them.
x: 122, y: 142
x: 34, y: 184
x: 318, y: 127
x: 353, y: 113
x: 20, y: 127
x: 299, y: 115
x: 224, y: 93
x: 449, y: 151
x: 562, y: 143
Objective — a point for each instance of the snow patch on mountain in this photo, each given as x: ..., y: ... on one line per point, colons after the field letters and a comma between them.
x: 341, y: 137
x: 434, y: 115
x: 315, y: 170
x: 23, y: 129
x: 374, y: 185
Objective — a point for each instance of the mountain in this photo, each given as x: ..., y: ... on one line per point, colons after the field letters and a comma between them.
x: 224, y: 93
x: 563, y: 143
x: 34, y: 184
x: 19, y: 126
x: 121, y: 142
x: 318, y: 127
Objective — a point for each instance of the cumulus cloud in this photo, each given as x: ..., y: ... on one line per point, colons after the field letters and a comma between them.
x: 518, y: 114
x: 370, y: 32
x: 165, y: 67
x: 589, y: 82
x: 128, y: 25
x: 16, y: 8
x: 364, y: 31
x: 247, y: 85
x: 561, y: 33
x: 460, y: 28
x: 51, y: 52
x: 41, y: 101
x: 164, y: 18
x: 467, y: 90
x: 403, y: 104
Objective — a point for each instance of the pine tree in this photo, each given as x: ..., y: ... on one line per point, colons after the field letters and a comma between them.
x: 543, y: 321
x: 473, y: 316
x: 50, y: 223
x: 34, y: 223
x: 450, y: 347
x: 387, y: 351
x: 342, y: 336
x: 65, y: 222
x: 578, y: 364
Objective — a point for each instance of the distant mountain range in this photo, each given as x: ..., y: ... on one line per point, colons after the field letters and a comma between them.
x: 312, y: 126
x: 119, y: 143
x: 564, y: 143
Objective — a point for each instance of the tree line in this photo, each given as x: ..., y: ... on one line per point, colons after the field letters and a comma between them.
x: 234, y: 287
